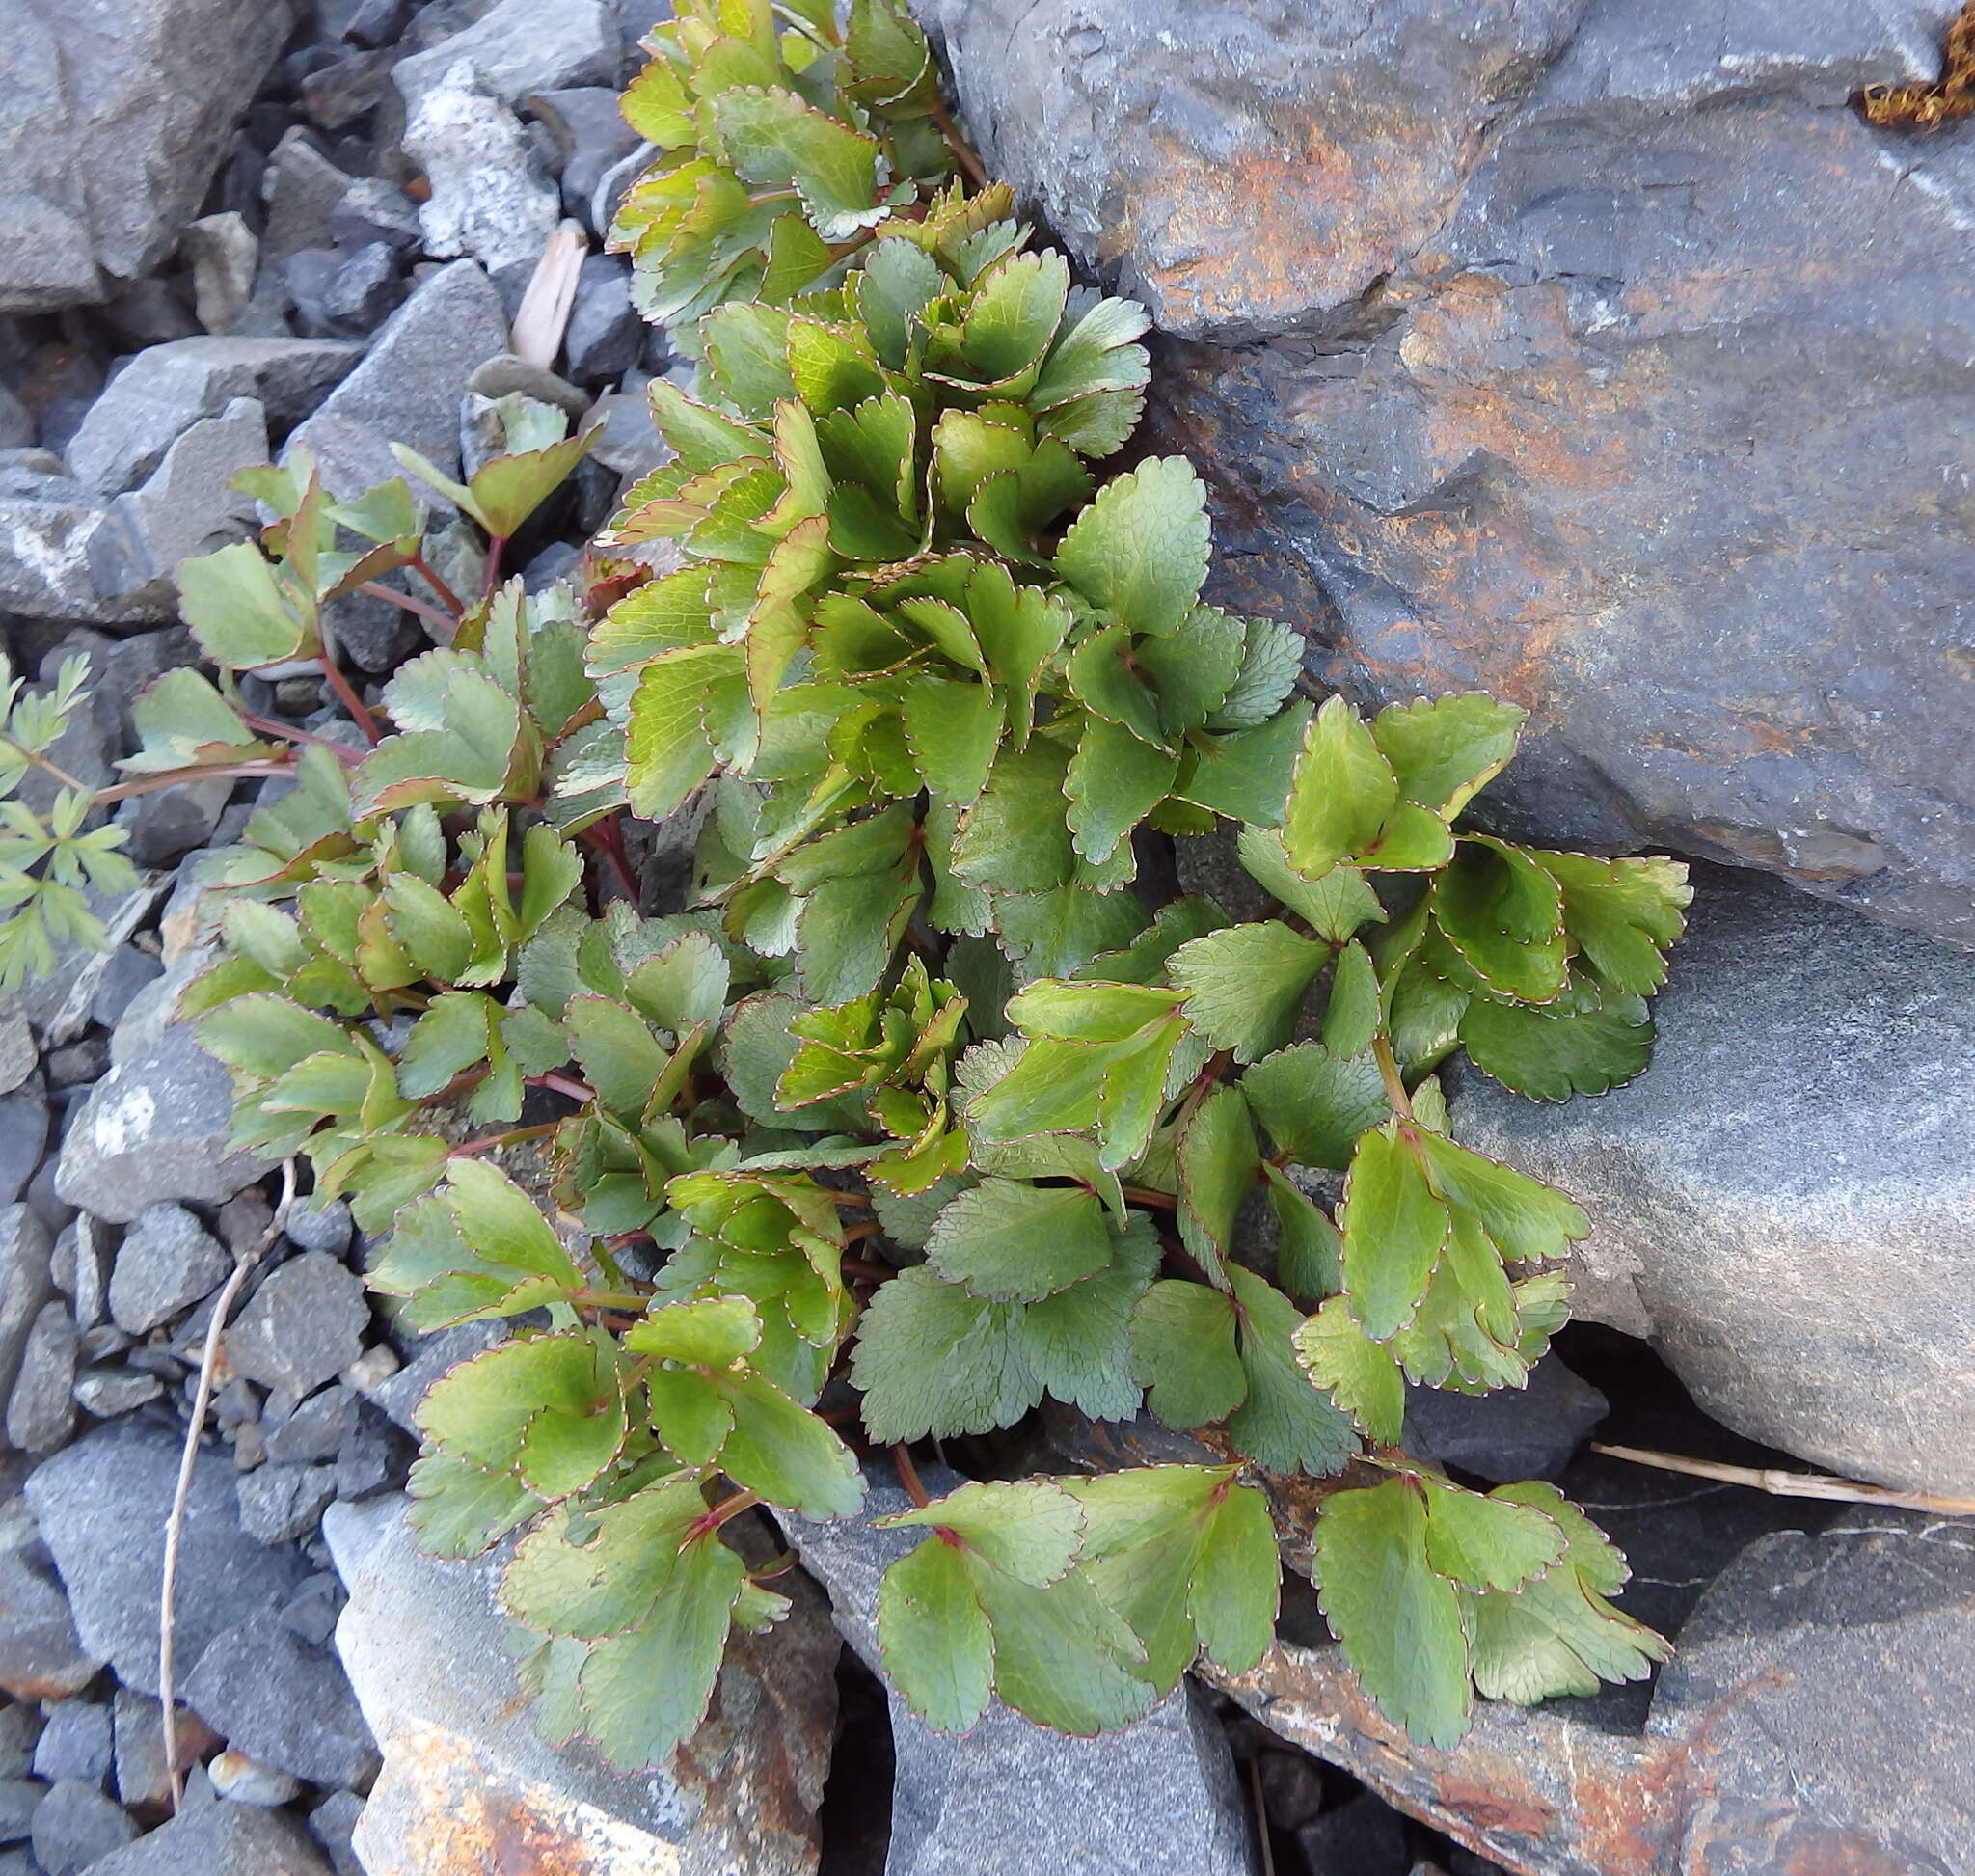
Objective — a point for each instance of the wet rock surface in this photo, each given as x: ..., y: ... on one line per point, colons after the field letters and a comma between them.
x: 1499, y: 318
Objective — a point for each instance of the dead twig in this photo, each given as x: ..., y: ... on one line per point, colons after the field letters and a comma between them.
x: 1794, y: 1484
x: 174, y: 1525
x: 543, y: 315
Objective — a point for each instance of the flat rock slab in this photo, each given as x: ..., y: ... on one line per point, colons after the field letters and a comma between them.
x: 1784, y: 1203
x: 1818, y: 1720
x: 469, y: 1788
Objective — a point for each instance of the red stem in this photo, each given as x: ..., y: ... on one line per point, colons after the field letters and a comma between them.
x: 431, y: 615
x: 908, y: 1477
x: 495, y: 546
x: 607, y: 838
x: 563, y: 1084
x: 360, y: 714
x: 447, y: 598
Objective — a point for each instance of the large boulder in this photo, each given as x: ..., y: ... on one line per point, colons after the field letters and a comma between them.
x: 1598, y: 356
x: 1785, y: 1202
x: 111, y: 120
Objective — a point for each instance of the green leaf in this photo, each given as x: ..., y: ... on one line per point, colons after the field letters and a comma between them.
x: 1530, y: 1221
x: 1343, y: 791
x: 266, y: 1035
x: 1443, y: 749
x: 1183, y: 1353
x: 681, y: 986
x: 644, y: 1693
x: 1033, y: 1530
x: 713, y: 1332
x: 773, y: 137
x: 620, y: 1057
x: 1218, y: 1164
x: 429, y: 928
x: 1008, y: 1240
x: 1237, y: 1583
x: 1399, y: 1621
x: 1246, y: 776
x: 1361, y: 1375
x: 1310, y: 1262
x: 932, y: 1359
x: 1335, y: 903
x: 1589, y: 1042
x: 1114, y: 782
x: 511, y: 1408
x: 939, y: 1650
x: 781, y: 1449
x: 1486, y: 1542
x: 1140, y: 549
x: 1313, y: 1104
x: 1351, y: 1019
x: 607, y: 1582
x: 1282, y: 1422
x: 1622, y: 915
x: 460, y: 1510
x: 1016, y: 837
x: 1061, y: 1657
x: 1394, y: 1228
x: 953, y: 731
x: 1078, y: 1341
x: 238, y: 611
x: 1503, y: 914
x: 1245, y: 984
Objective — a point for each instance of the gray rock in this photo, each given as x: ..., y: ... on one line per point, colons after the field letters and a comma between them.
x: 305, y: 1324
x: 1801, y: 1133
x: 41, y: 1658
x: 75, y: 1743
x: 188, y: 506
x: 170, y: 823
x: 408, y: 388
x: 154, y: 1128
x: 75, y: 1827
x: 17, y: 1049
x: 219, y: 1840
x: 301, y: 188
x: 167, y: 1262
x: 23, y: 1133
x: 399, y: 1395
x: 25, y: 1284
x: 377, y: 23
x: 60, y: 1004
x: 244, y: 1781
x: 41, y: 1406
x: 489, y: 198
x: 315, y: 1226
x: 363, y: 289
x: 1527, y: 1432
x: 19, y: 1726
x: 606, y: 333
x: 332, y: 1824
x: 107, y: 1392
x: 1502, y: 350
x: 314, y: 1431
x: 521, y: 46
x: 164, y: 391
x: 373, y: 209
x: 78, y: 1264
x: 630, y: 446
x: 18, y: 1798
x: 283, y: 1703
x: 109, y: 136
x: 47, y: 523
x: 422, y: 1643
x: 225, y: 254
x: 17, y: 428
x: 591, y: 138
x: 129, y: 970
x: 1160, y: 1794
x: 102, y: 1506
x: 280, y: 1503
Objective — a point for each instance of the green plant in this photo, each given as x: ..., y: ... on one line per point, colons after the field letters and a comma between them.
x: 922, y: 1110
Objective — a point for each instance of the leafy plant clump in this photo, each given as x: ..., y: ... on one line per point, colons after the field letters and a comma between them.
x: 929, y: 1104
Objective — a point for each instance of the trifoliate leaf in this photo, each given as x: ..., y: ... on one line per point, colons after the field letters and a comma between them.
x: 953, y: 731
x: 1015, y: 838
x: 1218, y: 1164
x: 1115, y: 780
x: 237, y: 610
x: 1530, y: 1221
x: 1183, y: 1352
x: 781, y: 1449
x: 605, y: 1582
x: 1343, y: 791
x: 1140, y: 549
x: 1078, y: 1341
x: 713, y: 1332
x: 1503, y: 915
x: 1399, y: 1621
x: 939, y: 1650
x: 1589, y: 1042
x: 772, y: 137
x: 1394, y: 1228
x: 461, y: 1511
x: 1061, y: 1657
x: 1282, y: 1422
x: 1313, y: 1104
x: 1351, y: 1019
x: 1032, y: 1530
x: 1246, y: 773
x: 1011, y: 1241
x: 932, y: 1359
x: 620, y: 1057
x: 1245, y: 984
x: 1486, y: 1542
x: 645, y: 1691
x: 1443, y: 749
x: 1622, y: 915
x: 1361, y: 1375
x: 1310, y: 1258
